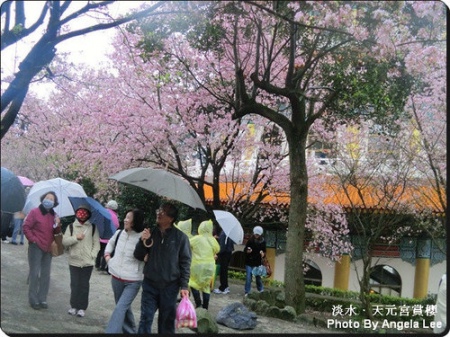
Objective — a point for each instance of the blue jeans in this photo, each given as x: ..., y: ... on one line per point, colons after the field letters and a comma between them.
x: 164, y: 300
x: 248, y: 280
x: 122, y: 318
x: 39, y: 278
x: 17, y: 227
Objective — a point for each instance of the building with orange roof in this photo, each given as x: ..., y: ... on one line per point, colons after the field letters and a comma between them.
x: 413, y: 258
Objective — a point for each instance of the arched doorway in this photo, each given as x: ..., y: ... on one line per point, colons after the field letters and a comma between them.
x: 313, y: 275
x: 385, y: 280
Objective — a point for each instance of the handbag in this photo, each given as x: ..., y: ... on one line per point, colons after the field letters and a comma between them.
x: 266, y: 264
x: 259, y: 271
x: 186, y: 316
x: 57, y: 247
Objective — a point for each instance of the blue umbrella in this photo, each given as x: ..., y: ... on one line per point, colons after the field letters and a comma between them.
x: 100, y: 215
x: 13, y: 192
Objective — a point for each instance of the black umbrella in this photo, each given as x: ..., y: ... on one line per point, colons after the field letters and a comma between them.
x: 13, y: 192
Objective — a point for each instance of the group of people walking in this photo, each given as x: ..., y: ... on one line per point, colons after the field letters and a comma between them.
x: 166, y: 262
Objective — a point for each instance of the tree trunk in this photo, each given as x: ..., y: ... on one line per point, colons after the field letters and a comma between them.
x: 364, y: 285
x: 294, y: 278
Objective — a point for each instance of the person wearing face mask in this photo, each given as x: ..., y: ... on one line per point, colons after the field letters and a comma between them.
x: 39, y: 227
x: 82, y: 244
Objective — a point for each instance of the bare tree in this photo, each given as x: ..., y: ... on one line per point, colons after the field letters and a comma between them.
x: 54, y: 15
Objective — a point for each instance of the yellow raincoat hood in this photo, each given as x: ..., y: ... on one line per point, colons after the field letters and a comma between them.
x: 185, y: 226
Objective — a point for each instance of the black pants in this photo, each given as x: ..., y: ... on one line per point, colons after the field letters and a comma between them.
x: 79, y: 286
x: 224, y: 260
x: 100, y: 260
x: 7, y: 225
x: 198, y: 299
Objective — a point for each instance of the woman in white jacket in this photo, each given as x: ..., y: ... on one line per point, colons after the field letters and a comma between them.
x: 126, y: 272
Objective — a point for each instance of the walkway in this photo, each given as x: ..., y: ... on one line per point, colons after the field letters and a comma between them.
x: 18, y: 317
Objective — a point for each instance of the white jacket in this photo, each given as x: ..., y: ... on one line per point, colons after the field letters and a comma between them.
x: 123, y: 264
x: 82, y: 253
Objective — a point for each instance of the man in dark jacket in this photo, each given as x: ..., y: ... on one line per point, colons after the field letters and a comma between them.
x: 167, y: 253
x: 223, y: 259
x: 255, y: 250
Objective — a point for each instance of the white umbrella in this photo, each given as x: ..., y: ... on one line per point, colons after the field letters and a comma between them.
x: 161, y: 182
x: 63, y: 190
x: 230, y: 225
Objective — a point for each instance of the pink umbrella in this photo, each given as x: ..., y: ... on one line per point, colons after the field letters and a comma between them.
x: 25, y: 181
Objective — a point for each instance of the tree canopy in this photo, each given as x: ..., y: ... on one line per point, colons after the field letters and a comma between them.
x: 206, y: 72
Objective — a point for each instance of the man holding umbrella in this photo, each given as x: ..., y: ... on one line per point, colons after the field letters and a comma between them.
x: 223, y: 260
x: 167, y: 253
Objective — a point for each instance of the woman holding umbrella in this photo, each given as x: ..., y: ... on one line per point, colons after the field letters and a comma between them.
x: 39, y: 227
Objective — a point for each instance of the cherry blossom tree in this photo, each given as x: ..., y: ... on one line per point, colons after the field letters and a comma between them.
x: 91, y: 145
x: 299, y: 65
x: 323, y: 60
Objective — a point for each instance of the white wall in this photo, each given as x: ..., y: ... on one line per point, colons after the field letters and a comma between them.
x: 405, y: 269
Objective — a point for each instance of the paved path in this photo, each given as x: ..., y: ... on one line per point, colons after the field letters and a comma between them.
x: 17, y: 317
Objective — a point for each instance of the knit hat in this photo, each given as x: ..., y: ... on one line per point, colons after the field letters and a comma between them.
x: 112, y: 204
x: 84, y: 206
x: 258, y: 230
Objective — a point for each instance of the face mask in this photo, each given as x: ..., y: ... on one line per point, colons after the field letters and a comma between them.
x: 47, y: 203
x: 82, y: 215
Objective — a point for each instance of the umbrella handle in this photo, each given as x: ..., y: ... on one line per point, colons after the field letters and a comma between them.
x: 149, y: 245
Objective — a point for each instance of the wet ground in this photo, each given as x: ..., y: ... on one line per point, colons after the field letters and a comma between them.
x: 17, y: 317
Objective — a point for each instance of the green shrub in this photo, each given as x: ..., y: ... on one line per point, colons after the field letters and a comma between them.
x: 325, y: 299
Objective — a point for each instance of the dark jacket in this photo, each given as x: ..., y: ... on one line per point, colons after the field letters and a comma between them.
x: 253, y: 259
x: 169, y: 258
x: 226, y: 244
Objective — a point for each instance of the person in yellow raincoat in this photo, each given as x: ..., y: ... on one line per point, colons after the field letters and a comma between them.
x: 186, y: 227
x: 204, y: 248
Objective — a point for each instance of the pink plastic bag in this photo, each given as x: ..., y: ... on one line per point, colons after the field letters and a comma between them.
x: 186, y: 316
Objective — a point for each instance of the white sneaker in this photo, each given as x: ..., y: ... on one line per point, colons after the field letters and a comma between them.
x: 80, y: 313
x: 72, y: 311
x: 5, y: 241
x: 217, y: 291
x: 226, y: 291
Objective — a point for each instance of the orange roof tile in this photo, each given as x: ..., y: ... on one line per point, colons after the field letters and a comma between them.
x: 421, y: 198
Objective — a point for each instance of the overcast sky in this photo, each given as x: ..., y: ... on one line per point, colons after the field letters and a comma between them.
x: 89, y: 48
